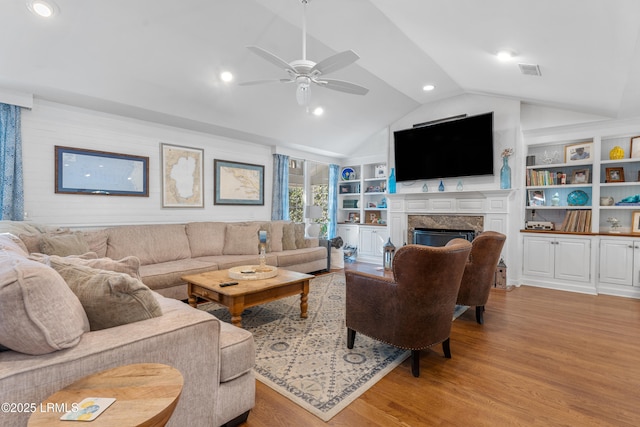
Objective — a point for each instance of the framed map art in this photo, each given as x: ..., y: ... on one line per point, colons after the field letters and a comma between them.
x: 182, y: 176
x: 238, y: 183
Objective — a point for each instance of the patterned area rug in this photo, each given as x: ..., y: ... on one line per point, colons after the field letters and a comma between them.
x: 307, y: 360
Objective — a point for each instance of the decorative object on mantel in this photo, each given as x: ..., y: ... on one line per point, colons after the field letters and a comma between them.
x: 459, y: 186
x: 392, y: 181
x: 425, y: 188
x: 615, y: 225
x: 505, y: 170
x: 389, y: 251
x: 441, y: 186
x: 616, y: 153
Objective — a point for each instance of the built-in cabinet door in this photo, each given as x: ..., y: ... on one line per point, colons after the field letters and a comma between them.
x: 572, y: 259
x: 617, y: 261
x: 538, y: 257
x: 372, y: 239
x: 349, y: 234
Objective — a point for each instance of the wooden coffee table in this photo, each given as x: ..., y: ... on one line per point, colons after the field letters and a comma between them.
x: 146, y: 395
x: 247, y: 293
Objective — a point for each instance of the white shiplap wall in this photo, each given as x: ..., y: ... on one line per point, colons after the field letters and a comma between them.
x: 50, y: 124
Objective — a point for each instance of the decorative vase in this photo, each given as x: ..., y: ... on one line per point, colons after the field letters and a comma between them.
x: 425, y: 188
x: 616, y: 153
x: 441, y: 186
x: 459, y: 186
x: 555, y: 200
x: 392, y: 181
x: 505, y: 174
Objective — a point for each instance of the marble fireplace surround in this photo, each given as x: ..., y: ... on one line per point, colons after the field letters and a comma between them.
x: 444, y: 222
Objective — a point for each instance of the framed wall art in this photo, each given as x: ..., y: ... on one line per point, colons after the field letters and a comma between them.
x: 238, y: 183
x: 182, y: 176
x: 80, y: 171
x: 578, y: 152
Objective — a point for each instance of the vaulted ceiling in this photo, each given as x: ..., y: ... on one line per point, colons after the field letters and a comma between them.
x: 160, y: 60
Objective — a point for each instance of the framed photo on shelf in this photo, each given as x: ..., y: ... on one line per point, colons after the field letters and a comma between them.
x: 578, y: 152
x: 635, y: 147
x: 580, y: 176
x: 635, y: 222
x: 373, y: 217
x: 354, y: 217
x: 536, y: 198
x: 614, y: 175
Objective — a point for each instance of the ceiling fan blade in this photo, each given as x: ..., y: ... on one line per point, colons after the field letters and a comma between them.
x: 335, y: 62
x: 264, y: 54
x: 342, y: 86
x: 259, y: 82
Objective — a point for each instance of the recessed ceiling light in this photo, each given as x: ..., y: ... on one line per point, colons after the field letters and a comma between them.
x: 428, y: 88
x: 505, y: 54
x: 226, y: 76
x: 318, y: 111
x: 43, y: 8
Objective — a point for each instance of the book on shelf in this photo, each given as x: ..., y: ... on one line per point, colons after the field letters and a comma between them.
x: 577, y: 221
x: 539, y: 178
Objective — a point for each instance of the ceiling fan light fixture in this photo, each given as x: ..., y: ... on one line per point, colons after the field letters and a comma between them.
x: 303, y: 92
x: 318, y: 111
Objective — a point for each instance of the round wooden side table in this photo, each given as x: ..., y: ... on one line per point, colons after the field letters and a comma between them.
x: 146, y: 395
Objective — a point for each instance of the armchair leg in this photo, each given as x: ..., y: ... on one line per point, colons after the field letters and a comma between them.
x: 446, y: 348
x: 415, y: 363
x: 479, y: 311
x: 351, y: 338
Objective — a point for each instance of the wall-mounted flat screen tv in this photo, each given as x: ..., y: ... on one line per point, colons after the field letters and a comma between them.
x: 456, y: 148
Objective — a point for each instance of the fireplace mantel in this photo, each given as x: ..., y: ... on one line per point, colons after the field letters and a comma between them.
x: 491, y: 205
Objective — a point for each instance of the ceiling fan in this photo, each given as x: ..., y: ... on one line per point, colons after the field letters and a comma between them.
x: 304, y: 72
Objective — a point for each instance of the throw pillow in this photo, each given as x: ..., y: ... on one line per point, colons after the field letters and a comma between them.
x: 38, y: 312
x: 13, y: 244
x: 288, y: 237
x: 277, y: 231
x: 299, y: 235
x: 109, y: 298
x: 241, y: 239
x: 129, y: 265
x: 206, y: 238
x: 63, y: 245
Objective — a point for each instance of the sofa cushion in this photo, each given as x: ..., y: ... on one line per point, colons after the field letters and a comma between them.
x: 289, y: 236
x: 152, y: 244
x: 109, y: 298
x: 237, y: 352
x: 63, y: 244
x: 301, y: 256
x: 97, y: 242
x: 168, y: 274
x: 38, y: 312
x: 206, y: 238
x: 11, y: 243
x: 241, y: 239
x: 225, y: 262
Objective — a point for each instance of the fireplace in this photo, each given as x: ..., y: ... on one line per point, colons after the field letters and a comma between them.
x: 438, y: 237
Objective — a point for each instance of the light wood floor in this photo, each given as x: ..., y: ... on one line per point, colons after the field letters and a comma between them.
x: 542, y: 358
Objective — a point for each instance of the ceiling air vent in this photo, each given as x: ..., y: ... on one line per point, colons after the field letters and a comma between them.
x: 530, y: 69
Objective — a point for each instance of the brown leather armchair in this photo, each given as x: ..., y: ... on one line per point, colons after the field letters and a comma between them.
x: 479, y: 273
x: 414, y: 309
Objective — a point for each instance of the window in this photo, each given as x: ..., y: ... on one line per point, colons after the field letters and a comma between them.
x: 296, y: 190
x: 308, y: 182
